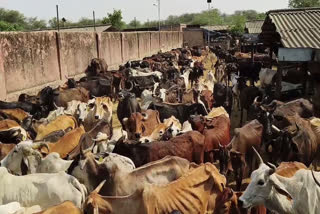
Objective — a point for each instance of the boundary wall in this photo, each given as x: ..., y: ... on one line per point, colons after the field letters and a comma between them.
x: 30, y: 61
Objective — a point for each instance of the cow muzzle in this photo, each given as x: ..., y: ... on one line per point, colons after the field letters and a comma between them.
x: 96, y: 117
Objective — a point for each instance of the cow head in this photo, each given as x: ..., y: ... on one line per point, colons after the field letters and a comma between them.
x: 101, y: 108
x: 141, y: 124
x: 197, y: 123
x: 17, y: 161
x: 82, y: 112
x: 268, y: 189
x: 125, y: 94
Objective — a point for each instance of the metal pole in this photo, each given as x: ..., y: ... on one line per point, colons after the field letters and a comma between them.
x: 209, y: 25
x: 94, y: 21
x: 159, y: 24
x: 58, y: 24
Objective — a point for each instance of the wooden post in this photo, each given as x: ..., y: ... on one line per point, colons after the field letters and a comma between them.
x: 278, y: 83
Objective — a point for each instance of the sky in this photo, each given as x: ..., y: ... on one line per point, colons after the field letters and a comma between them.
x: 143, y: 10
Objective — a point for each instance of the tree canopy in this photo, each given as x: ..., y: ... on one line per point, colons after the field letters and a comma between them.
x: 115, y: 19
x: 304, y: 3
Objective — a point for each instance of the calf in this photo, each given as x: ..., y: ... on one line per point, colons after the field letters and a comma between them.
x: 189, y: 146
x: 216, y: 132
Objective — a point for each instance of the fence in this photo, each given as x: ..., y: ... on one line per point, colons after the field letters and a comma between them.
x: 31, y: 61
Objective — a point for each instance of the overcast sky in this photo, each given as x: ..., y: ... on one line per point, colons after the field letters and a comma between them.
x: 142, y: 9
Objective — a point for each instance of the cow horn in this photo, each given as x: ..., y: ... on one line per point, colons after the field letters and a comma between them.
x: 259, y: 157
x: 37, y: 154
x: 298, y: 128
x: 314, y: 178
x: 273, y: 168
x: 40, y: 145
x: 255, y: 102
x: 97, y: 190
x: 130, y: 89
x: 55, y: 105
x: 276, y: 129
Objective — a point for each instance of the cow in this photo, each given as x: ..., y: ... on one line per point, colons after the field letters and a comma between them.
x: 283, y: 111
x: 189, y: 146
x: 141, y: 124
x: 240, y: 147
x: 207, y: 98
x: 63, y: 122
x: 11, y: 132
x: 265, y: 76
x: 127, y: 105
x: 5, y: 149
x: 179, y: 111
x: 36, y: 110
x: 65, y: 207
x: 91, y: 172
x: 14, y: 114
x: 100, y: 108
x: 300, y: 144
x: 222, y: 97
x: 61, y: 98
x: 192, y: 193
x: 16, y: 208
x: 30, y: 190
x: 25, y: 159
x: 282, y: 194
x: 171, y: 123
x: 87, y: 140
x: 215, y: 130
x: 66, y: 144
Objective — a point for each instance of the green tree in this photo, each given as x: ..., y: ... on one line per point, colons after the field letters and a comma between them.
x: 238, y: 24
x: 115, y: 19
x: 304, y: 3
x: 33, y: 23
x: 134, y: 24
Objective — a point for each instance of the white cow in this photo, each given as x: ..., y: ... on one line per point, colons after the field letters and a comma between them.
x: 45, y: 190
x: 266, y: 76
x: 16, y: 208
x: 185, y: 76
x: 24, y: 152
x: 299, y: 194
x: 145, y: 73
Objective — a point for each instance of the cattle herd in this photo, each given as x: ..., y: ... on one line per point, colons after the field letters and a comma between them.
x: 173, y: 151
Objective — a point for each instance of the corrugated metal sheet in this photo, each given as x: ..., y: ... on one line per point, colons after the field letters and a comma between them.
x: 217, y: 27
x: 298, y: 28
x: 254, y: 27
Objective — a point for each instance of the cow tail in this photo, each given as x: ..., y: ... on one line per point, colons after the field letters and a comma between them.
x: 81, y: 188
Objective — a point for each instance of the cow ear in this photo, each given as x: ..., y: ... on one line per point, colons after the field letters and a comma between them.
x: 279, y: 187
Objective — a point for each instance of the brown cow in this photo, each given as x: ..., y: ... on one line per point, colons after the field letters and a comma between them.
x: 63, y: 122
x: 14, y: 114
x: 193, y: 193
x: 62, y: 98
x: 215, y: 130
x: 296, y: 143
x: 207, y: 98
x: 5, y: 149
x: 189, y: 146
x: 65, y: 207
x: 66, y: 144
x: 241, y: 152
x: 141, y: 124
x: 11, y: 132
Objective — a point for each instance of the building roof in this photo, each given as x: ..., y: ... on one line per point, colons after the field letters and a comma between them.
x: 216, y: 27
x: 254, y: 27
x: 298, y: 28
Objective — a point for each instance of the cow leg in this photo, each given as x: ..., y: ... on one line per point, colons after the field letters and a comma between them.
x: 241, y: 116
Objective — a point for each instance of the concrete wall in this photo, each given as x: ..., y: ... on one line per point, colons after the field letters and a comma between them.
x: 110, y: 46
x: 193, y: 38
x: 31, y: 61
